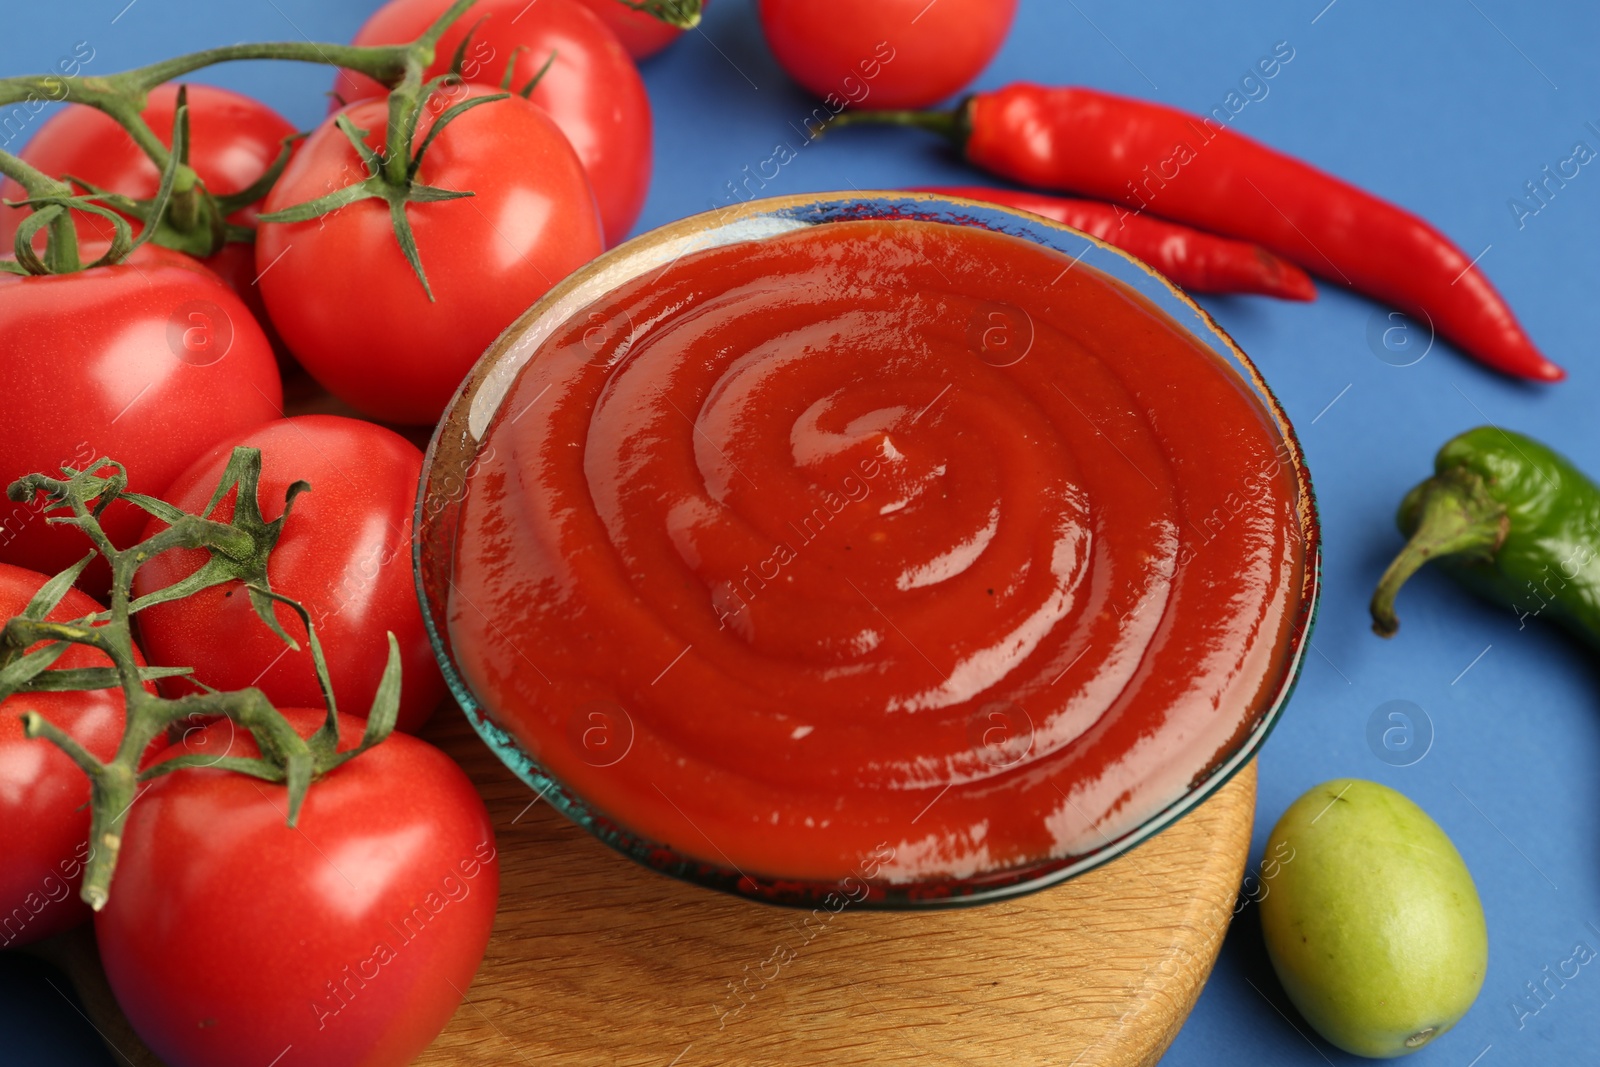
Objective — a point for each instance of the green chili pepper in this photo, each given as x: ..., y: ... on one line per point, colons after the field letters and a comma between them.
x: 1515, y: 522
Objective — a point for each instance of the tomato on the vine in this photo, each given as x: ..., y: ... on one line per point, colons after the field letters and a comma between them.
x: 233, y: 140
x: 44, y: 796
x: 230, y: 937
x: 347, y: 302
x: 345, y: 555
x: 893, y: 53
x: 149, y: 363
x: 592, y: 89
x: 641, y: 34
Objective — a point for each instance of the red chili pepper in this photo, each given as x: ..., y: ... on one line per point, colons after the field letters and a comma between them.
x: 1195, y: 260
x: 1193, y: 170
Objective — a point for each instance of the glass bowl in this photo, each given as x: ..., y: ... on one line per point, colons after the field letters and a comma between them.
x: 454, y: 452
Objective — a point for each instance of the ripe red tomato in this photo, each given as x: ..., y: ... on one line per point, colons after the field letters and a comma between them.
x: 148, y: 363
x: 345, y: 554
x: 44, y: 821
x: 232, y: 141
x: 642, y: 35
x: 887, y: 54
x: 593, y: 91
x: 342, y: 294
x: 231, y: 938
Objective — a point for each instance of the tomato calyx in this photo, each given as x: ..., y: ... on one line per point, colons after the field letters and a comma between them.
x: 54, y: 202
x: 53, y: 209
x: 526, y: 92
x: 392, y: 173
x: 683, y: 14
x: 238, y: 551
x: 51, y: 202
x: 194, y: 219
x: 188, y: 217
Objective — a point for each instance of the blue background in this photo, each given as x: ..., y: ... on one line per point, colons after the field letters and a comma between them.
x: 1446, y: 108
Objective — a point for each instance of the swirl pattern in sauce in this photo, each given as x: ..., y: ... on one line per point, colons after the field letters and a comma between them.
x: 878, y: 533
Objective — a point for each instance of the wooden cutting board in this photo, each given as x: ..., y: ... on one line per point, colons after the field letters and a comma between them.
x: 597, y: 961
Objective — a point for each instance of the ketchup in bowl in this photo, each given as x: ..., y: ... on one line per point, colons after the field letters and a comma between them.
x: 886, y: 553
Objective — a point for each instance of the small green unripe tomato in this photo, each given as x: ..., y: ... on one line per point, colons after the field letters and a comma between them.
x: 1374, y: 926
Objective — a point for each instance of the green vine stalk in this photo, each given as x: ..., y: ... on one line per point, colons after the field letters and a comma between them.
x: 198, y: 215
x: 238, y: 549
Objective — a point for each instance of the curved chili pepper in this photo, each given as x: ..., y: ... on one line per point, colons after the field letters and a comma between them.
x: 1193, y: 170
x: 1202, y: 262
x: 1514, y: 521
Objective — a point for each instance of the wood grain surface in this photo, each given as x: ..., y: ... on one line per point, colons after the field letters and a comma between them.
x: 597, y: 961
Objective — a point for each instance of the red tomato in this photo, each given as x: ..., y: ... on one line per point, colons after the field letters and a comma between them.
x: 149, y: 363
x: 593, y: 90
x: 44, y: 821
x: 342, y: 294
x: 235, y: 264
x: 886, y: 54
x: 345, y: 554
x: 231, y: 938
x: 642, y: 35
x: 232, y: 141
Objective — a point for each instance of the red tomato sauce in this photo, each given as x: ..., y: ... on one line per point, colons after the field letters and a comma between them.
x: 878, y: 534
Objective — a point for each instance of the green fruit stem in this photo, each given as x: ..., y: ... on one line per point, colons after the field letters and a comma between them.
x: 63, y: 246
x: 955, y: 125
x: 683, y: 14
x: 123, y: 97
x: 1455, y: 515
x: 238, y: 552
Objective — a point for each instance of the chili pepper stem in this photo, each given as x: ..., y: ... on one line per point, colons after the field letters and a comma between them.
x: 954, y: 125
x: 1451, y: 514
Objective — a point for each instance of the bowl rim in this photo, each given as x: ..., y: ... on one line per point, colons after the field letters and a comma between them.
x: 489, y: 377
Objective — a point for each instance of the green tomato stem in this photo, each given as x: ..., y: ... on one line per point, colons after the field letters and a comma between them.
x: 123, y: 96
x: 63, y: 246
x: 115, y: 93
x: 683, y: 14
x: 35, y: 181
x: 238, y: 551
